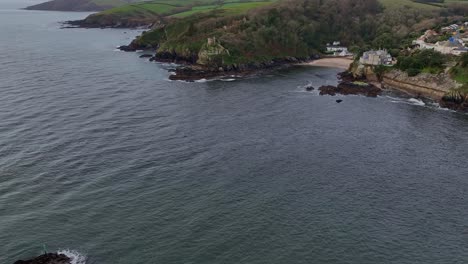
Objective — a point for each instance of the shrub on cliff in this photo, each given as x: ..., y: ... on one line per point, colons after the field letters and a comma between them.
x: 422, y: 61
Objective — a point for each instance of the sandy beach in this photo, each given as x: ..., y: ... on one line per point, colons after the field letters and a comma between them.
x: 342, y: 63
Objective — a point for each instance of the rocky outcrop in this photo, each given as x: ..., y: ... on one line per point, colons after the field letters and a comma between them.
x: 48, y: 258
x: 212, y: 53
x: 360, y: 71
x: 425, y: 85
x: 192, y: 72
x: 347, y: 88
x: 112, y: 21
x: 134, y: 46
x: 176, y: 57
x: 455, y: 99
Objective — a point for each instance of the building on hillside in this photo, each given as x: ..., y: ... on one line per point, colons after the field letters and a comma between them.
x: 376, y: 57
x: 459, y: 51
x: 336, y: 46
x: 453, y: 46
x: 343, y: 53
x: 451, y: 28
x: 337, y: 49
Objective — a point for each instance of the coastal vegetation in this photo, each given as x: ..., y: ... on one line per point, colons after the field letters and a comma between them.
x: 259, y: 32
x: 428, y: 61
x: 149, y: 12
x: 222, y: 36
x: 460, y: 71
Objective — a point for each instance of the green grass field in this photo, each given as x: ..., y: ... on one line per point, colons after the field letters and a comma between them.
x: 229, y: 8
x: 417, y: 5
x: 140, y: 8
x: 180, y: 8
x: 406, y: 3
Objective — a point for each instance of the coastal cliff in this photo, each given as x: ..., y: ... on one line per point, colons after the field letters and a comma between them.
x: 441, y: 87
x: 433, y: 86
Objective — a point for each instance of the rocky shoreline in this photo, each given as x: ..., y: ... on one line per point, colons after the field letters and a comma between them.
x: 189, y: 70
x: 440, y: 88
x: 127, y: 24
x: 367, y: 83
x: 350, y: 86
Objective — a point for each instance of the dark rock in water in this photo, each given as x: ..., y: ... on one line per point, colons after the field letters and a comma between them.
x: 193, y: 73
x: 339, y: 101
x: 48, y: 258
x: 146, y: 56
x: 328, y: 90
x: 346, y: 88
x: 309, y: 88
x: 347, y: 77
x: 127, y: 48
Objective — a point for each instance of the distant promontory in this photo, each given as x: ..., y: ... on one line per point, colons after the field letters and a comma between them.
x: 78, y: 5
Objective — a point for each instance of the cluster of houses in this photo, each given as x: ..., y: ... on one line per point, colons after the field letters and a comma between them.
x: 371, y: 57
x: 455, y: 45
x: 454, y: 27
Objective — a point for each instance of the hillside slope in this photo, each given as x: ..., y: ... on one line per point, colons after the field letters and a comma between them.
x: 287, y: 31
x: 79, y: 5
x: 149, y: 12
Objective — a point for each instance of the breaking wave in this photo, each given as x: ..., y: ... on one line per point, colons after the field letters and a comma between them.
x: 416, y: 102
x: 75, y: 256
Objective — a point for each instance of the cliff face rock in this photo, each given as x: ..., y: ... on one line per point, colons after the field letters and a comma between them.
x: 48, y: 258
x: 427, y: 85
x: 455, y: 99
x: 176, y: 57
x: 360, y: 71
x: 113, y: 21
x: 212, y: 53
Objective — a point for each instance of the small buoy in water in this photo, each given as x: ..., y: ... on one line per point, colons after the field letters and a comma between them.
x: 339, y: 101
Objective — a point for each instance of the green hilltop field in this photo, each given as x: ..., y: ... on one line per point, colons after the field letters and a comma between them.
x: 158, y: 6
x: 79, y: 5
x: 147, y: 12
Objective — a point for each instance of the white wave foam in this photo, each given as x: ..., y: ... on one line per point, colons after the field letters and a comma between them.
x: 228, y: 80
x: 201, y: 80
x: 416, y: 102
x: 75, y: 256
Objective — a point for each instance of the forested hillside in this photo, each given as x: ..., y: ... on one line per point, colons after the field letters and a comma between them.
x: 296, y: 28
